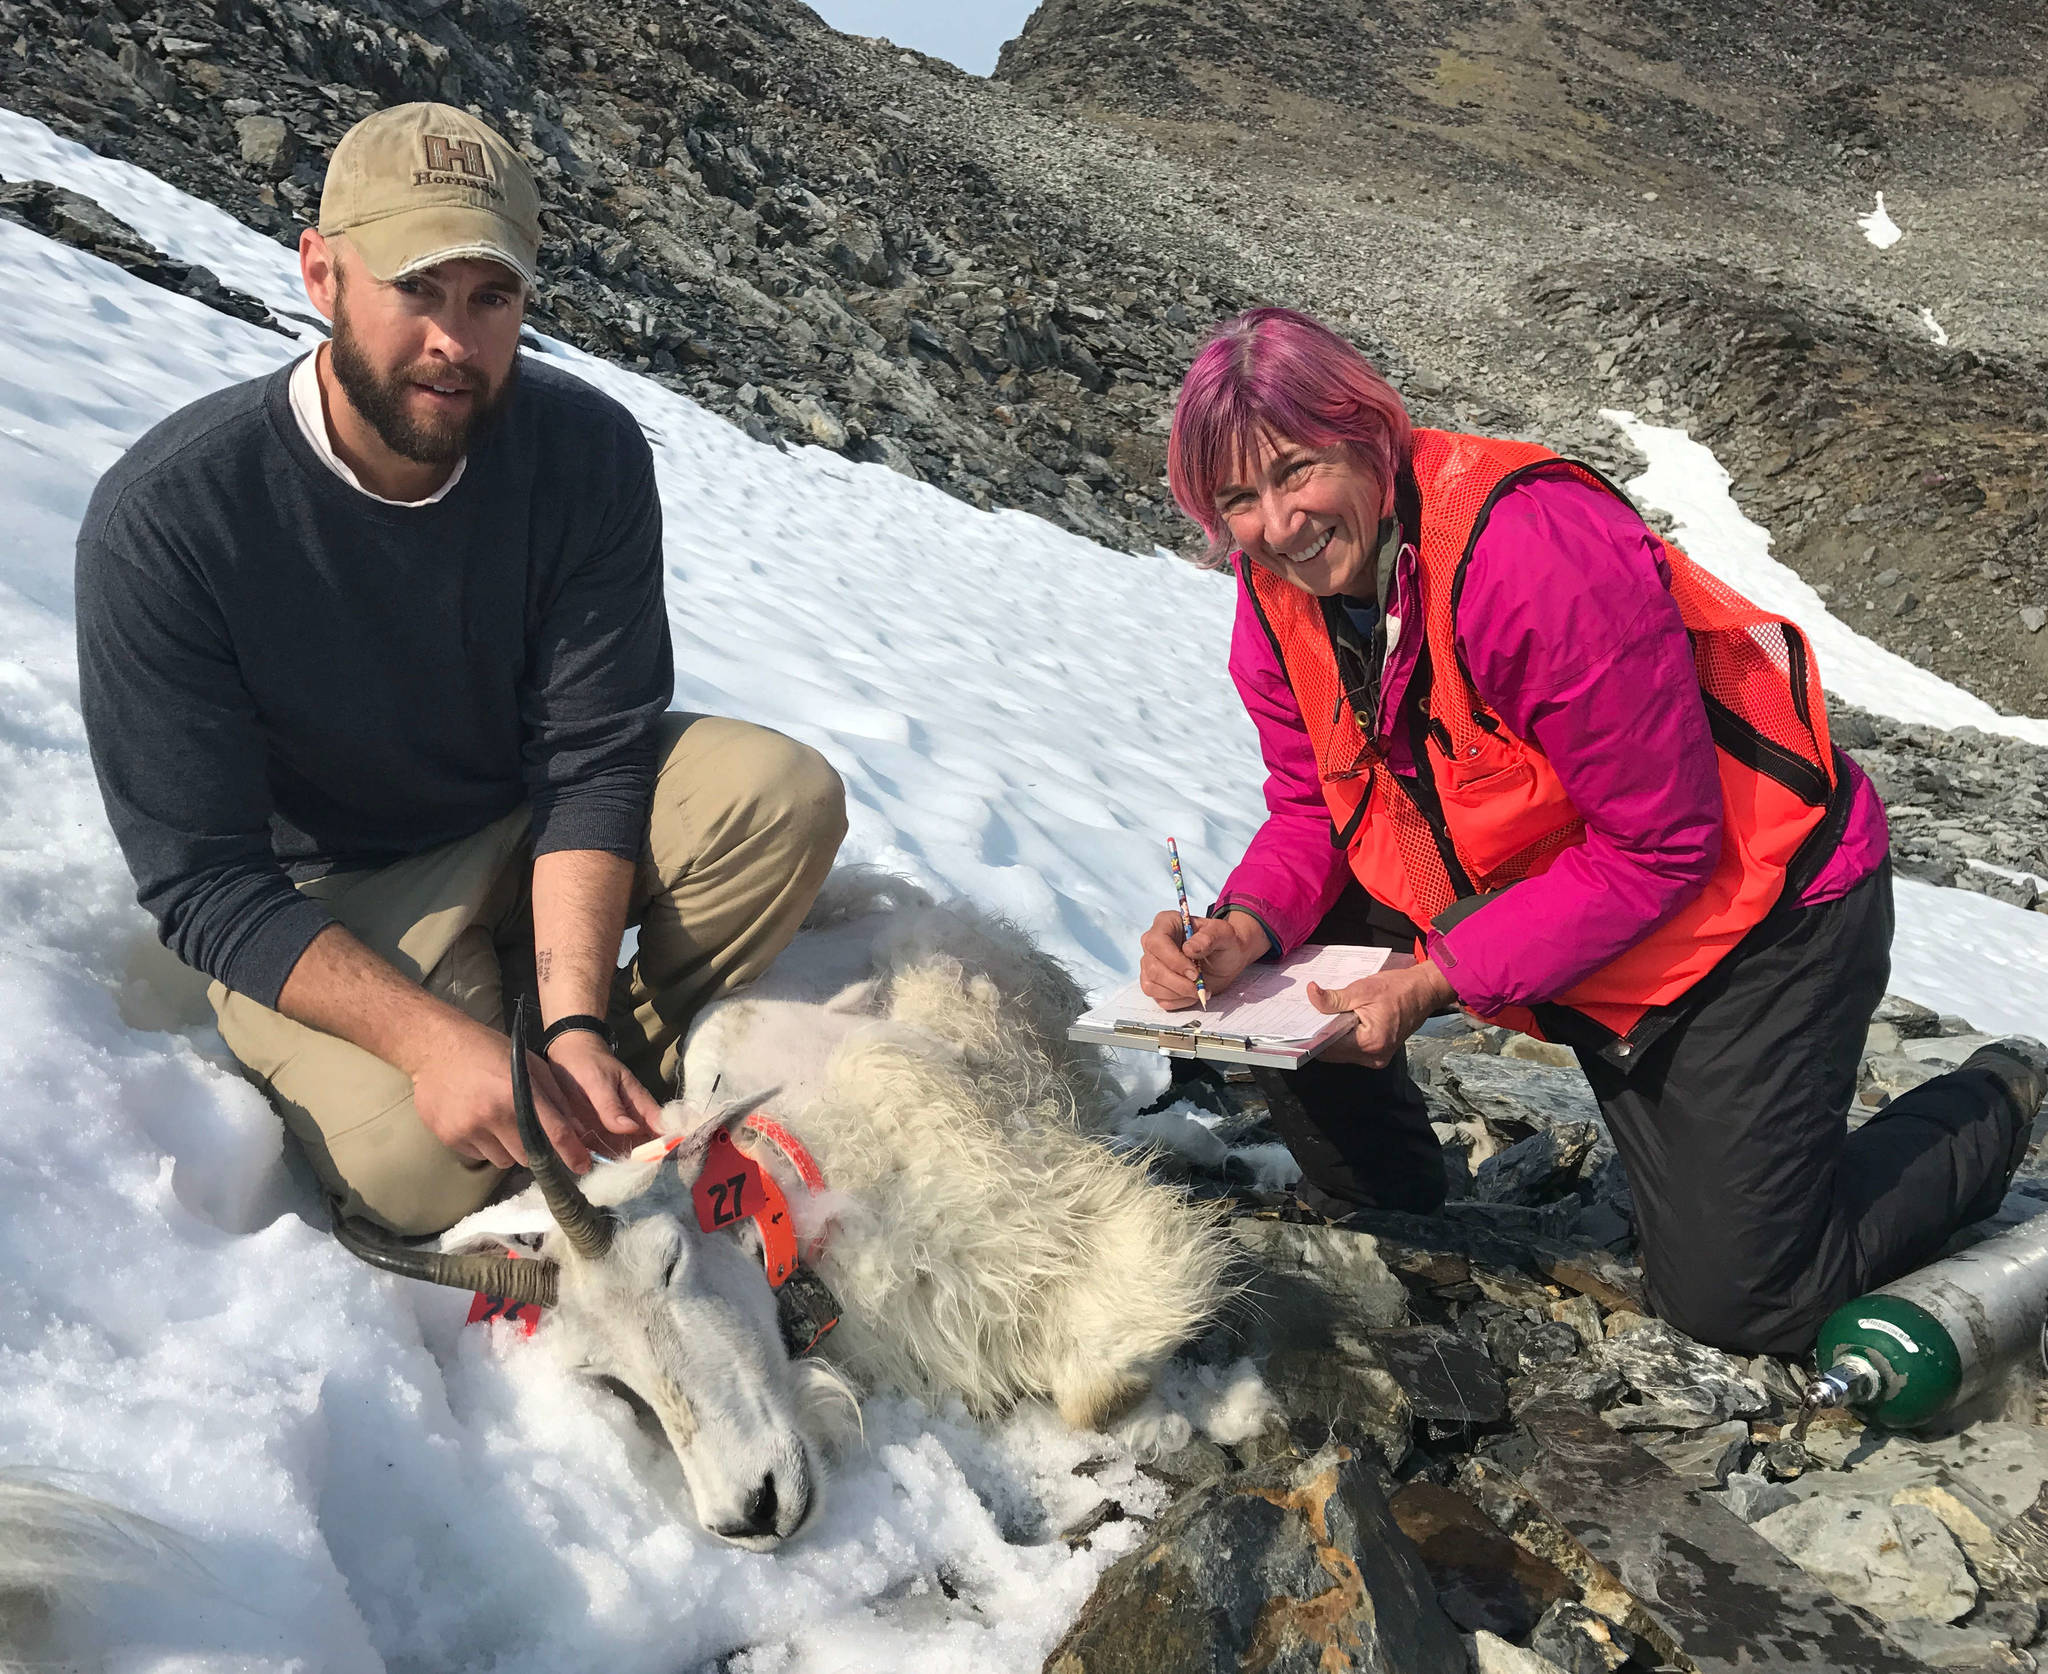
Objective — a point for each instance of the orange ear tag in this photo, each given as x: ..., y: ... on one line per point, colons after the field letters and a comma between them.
x: 732, y: 1188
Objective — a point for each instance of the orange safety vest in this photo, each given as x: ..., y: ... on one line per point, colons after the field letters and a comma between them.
x: 1485, y: 809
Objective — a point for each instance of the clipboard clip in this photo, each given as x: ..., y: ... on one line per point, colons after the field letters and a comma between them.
x: 1184, y: 1037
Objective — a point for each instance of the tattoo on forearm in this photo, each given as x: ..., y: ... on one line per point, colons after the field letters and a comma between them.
x: 544, y: 963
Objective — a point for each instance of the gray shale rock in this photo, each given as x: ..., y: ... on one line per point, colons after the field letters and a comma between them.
x: 267, y: 145
x: 1294, y: 1568
x: 1751, y: 1497
x: 1675, y: 1373
x: 1493, y: 1655
x: 1964, y: 1645
x: 1898, y: 1562
x: 72, y: 219
x: 1328, y: 1395
x: 1910, y: 1019
x: 1591, y: 1380
x: 1578, y: 1640
x: 1538, y: 1168
x: 1484, y: 1581
x: 1321, y: 1284
x: 1706, y: 1457
x: 1510, y: 1094
x: 1448, y: 1378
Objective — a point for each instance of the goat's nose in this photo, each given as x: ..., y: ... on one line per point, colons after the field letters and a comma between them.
x: 759, y: 1517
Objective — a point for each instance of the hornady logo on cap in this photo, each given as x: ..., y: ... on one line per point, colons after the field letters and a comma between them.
x: 455, y: 162
x: 460, y: 155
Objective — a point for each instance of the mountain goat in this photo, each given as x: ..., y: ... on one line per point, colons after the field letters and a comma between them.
x: 981, y: 1237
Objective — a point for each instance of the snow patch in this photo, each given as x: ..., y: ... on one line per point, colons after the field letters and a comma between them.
x: 1686, y: 481
x: 1934, y: 328
x: 1879, y: 227
x: 1968, y: 955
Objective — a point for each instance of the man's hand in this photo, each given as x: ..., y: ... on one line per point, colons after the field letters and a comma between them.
x: 1389, y: 1007
x: 1222, y: 947
x: 462, y: 1088
x: 611, y: 1107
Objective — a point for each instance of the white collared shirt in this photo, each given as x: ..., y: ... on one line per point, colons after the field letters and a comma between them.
x: 311, y: 412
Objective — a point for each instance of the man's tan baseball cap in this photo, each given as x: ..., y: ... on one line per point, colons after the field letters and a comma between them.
x: 420, y: 184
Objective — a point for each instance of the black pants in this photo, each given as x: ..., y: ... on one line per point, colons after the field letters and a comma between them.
x: 1758, y: 1213
x: 1362, y: 1136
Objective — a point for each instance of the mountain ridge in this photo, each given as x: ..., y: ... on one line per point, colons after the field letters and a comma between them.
x: 995, y: 285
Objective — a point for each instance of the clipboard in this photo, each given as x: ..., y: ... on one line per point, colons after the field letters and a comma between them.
x: 1192, y: 1040
x: 1284, y: 1032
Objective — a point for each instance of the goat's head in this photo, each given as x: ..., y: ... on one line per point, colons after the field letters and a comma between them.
x: 679, y: 1323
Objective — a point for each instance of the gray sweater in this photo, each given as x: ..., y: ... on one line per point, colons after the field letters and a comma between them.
x: 282, y: 677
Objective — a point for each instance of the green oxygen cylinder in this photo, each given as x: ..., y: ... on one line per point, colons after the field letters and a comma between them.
x: 1922, y: 1343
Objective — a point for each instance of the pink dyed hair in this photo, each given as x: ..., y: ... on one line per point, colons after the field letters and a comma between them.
x: 1279, y: 371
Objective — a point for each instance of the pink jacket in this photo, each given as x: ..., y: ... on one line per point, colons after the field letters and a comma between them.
x: 1568, y: 626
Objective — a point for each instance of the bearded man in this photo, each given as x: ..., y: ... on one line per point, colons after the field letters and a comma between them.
x: 375, y: 668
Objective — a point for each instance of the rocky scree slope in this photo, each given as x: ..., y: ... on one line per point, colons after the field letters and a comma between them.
x: 1549, y: 205
x: 996, y: 285
x: 1445, y: 1349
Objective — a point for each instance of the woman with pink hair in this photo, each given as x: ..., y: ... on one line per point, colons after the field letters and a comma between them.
x: 1505, y: 723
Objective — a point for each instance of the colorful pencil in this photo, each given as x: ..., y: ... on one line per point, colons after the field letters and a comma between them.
x: 1187, y: 919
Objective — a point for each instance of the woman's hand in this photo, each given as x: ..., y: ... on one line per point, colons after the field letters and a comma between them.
x: 1222, y: 947
x: 1389, y: 1007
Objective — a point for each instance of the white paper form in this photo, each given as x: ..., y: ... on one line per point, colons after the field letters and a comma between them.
x: 1268, y: 1003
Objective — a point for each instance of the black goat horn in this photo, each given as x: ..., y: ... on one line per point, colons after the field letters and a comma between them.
x: 515, y: 1281
x: 588, y: 1228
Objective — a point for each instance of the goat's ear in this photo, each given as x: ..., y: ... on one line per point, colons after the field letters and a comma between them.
x: 494, y: 1243
x: 515, y: 1224
x: 857, y: 997
x: 677, y: 1116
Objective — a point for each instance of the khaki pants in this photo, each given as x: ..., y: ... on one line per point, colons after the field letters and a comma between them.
x: 744, y: 826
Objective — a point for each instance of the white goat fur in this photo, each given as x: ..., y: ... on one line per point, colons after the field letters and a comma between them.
x: 983, y: 1239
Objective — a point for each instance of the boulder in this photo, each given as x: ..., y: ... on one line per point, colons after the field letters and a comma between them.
x: 1707, y: 1591
x: 1589, y: 1381
x: 1912, y: 1020
x: 147, y: 73
x: 1898, y: 1562
x: 1515, y: 1094
x: 1521, y: 1345
x: 1996, y: 1466
x: 1582, y: 1314
x: 1294, y: 1568
x: 267, y: 144
x: 1884, y: 1077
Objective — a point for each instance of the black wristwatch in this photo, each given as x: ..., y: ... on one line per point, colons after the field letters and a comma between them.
x: 570, y: 1024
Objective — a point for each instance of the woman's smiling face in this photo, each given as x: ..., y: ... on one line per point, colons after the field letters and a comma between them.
x: 1310, y: 514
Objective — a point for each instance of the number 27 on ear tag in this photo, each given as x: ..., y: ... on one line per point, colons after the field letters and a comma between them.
x: 733, y: 1187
